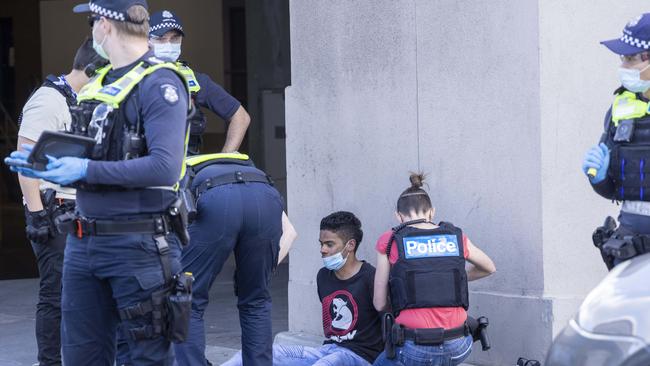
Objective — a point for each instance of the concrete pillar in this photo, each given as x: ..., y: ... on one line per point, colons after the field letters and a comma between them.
x: 497, y: 101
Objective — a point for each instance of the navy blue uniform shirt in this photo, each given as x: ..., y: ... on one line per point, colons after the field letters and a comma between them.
x: 164, y: 121
x: 213, y: 97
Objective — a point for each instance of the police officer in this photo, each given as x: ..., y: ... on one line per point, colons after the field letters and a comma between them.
x: 425, y: 263
x: 238, y: 210
x: 124, y: 249
x: 618, y: 166
x: 166, y: 37
x: 47, y: 109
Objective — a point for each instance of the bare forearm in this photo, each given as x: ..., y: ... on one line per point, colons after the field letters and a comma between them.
x: 28, y: 186
x: 289, y: 235
x: 236, y: 130
x: 475, y: 273
x: 31, y: 193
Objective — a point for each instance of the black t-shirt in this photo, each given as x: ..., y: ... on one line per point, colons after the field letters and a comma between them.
x: 349, y: 317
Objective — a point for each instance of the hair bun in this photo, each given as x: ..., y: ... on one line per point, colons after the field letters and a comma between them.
x: 417, y: 179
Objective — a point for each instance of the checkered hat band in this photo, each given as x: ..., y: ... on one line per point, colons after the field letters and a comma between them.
x: 165, y: 25
x: 112, y: 14
x: 635, y: 42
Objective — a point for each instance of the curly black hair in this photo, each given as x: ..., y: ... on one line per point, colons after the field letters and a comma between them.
x: 345, y: 225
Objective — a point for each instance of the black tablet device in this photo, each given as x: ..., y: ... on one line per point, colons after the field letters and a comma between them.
x: 58, y: 144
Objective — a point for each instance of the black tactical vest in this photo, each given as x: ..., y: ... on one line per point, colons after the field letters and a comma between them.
x: 430, y: 270
x: 629, y: 143
x: 56, y: 83
x: 197, y: 123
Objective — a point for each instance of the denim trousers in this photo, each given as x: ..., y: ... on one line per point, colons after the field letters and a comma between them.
x: 294, y: 355
x: 450, y: 353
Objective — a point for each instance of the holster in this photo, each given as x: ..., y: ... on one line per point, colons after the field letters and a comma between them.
x: 179, y: 220
x: 179, y: 307
x: 189, y: 201
x: 478, y: 330
x: 600, y: 236
x: 387, y: 332
x: 170, y: 307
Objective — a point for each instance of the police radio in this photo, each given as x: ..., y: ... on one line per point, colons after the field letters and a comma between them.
x: 133, y: 145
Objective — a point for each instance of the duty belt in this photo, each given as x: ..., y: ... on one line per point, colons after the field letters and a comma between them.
x: 428, y: 336
x: 236, y: 177
x: 86, y: 227
x: 628, y: 247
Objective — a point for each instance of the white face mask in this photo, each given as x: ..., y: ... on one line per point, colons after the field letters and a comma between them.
x: 336, y: 261
x: 98, y: 47
x: 167, y: 51
x: 631, y: 80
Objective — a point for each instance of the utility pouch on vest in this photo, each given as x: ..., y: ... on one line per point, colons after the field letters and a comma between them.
x: 66, y: 223
x: 133, y: 145
x: 178, y: 215
x: 179, y: 307
x: 629, y: 168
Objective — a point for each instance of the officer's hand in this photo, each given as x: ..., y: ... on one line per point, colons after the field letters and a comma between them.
x: 596, y: 158
x: 18, y: 159
x: 64, y: 170
x: 39, y: 226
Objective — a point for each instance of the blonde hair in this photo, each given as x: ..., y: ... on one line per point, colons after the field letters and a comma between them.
x: 137, y: 24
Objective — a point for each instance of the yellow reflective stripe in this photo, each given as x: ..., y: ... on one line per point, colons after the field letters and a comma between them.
x: 189, y: 76
x: 94, y: 84
x: 627, y: 106
x: 198, y: 159
x: 113, y: 94
x: 184, y: 167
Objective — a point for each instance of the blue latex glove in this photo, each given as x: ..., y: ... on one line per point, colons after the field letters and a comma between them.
x: 64, y: 170
x: 18, y: 158
x: 597, y: 158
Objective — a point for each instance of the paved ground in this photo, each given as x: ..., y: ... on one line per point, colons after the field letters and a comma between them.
x: 18, y: 301
x: 223, y: 335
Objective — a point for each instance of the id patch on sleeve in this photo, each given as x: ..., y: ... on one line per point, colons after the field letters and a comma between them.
x: 169, y: 93
x: 430, y: 246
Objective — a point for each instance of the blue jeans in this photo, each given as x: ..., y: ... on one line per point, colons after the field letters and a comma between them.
x: 450, y: 353
x: 102, y: 274
x: 245, y: 218
x: 293, y: 355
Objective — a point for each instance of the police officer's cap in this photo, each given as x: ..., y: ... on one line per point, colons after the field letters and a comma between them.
x: 164, y: 21
x: 635, y: 39
x: 111, y: 9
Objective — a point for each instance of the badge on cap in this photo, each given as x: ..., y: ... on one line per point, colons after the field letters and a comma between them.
x: 170, y: 93
x: 167, y: 14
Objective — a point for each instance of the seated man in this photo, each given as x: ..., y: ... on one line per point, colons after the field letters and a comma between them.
x: 345, y: 285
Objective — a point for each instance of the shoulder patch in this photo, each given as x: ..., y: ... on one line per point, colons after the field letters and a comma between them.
x: 169, y: 93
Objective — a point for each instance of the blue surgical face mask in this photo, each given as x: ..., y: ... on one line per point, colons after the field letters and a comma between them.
x: 335, y: 261
x: 167, y: 51
x: 631, y: 80
x: 98, y: 47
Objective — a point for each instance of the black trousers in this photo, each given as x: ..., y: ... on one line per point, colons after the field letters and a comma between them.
x: 49, y: 257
